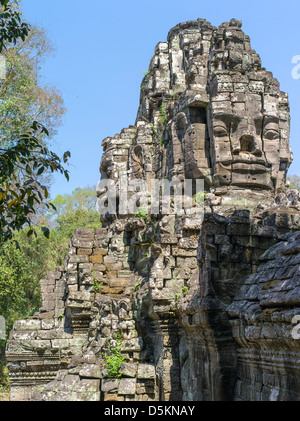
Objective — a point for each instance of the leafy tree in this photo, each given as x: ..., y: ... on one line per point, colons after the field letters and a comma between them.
x: 23, y: 98
x: 75, y: 210
x: 11, y: 26
x: 80, y: 199
x: 19, y: 277
x: 294, y: 182
x: 21, y: 164
x: 24, y: 158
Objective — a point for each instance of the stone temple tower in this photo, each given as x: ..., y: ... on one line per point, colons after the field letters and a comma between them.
x: 194, y: 309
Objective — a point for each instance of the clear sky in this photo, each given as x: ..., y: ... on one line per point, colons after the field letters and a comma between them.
x: 102, y: 47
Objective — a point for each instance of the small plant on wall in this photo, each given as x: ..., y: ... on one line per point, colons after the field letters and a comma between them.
x: 113, y: 358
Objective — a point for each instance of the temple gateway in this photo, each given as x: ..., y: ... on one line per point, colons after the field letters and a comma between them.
x: 166, y: 306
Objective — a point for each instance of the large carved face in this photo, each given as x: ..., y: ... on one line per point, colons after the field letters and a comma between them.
x: 245, y: 144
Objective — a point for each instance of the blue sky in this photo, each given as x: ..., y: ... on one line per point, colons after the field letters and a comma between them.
x: 103, y: 47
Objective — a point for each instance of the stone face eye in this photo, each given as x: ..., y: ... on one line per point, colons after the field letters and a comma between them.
x: 220, y: 131
x: 271, y: 134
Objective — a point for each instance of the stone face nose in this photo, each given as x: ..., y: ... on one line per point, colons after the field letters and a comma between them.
x: 249, y: 144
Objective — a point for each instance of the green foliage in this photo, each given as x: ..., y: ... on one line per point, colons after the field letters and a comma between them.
x: 23, y: 96
x: 154, y: 131
x: 11, y: 26
x: 142, y: 212
x: 97, y: 285
x: 80, y: 199
x: 20, y: 189
x: 163, y: 113
x: 199, y: 198
x: 185, y: 291
x: 25, y: 158
x: 294, y: 182
x: 75, y: 210
x: 113, y: 358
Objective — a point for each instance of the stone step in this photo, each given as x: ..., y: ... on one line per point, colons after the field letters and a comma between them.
x: 125, y: 274
x: 119, y: 282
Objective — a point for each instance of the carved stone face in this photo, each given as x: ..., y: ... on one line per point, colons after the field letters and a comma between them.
x: 242, y: 145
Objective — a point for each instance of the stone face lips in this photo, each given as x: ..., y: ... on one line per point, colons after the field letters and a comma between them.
x: 167, y: 307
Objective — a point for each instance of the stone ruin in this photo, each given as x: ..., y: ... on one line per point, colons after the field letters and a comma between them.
x: 200, y: 311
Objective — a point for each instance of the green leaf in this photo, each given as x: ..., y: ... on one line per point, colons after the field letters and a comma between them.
x: 52, y: 206
x: 46, y: 232
x: 41, y: 170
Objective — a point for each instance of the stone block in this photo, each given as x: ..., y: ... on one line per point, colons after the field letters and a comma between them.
x: 168, y: 239
x: 47, y: 324
x: 238, y: 229
x: 118, y: 283
x: 127, y: 387
x: 84, y: 232
x: 88, y: 385
x: 100, y: 251
x: 113, y: 397
x: 110, y: 385
x: 38, y: 345
x: 79, y: 296
x: 96, y: 259
x: 48, y: 305
x: 183, y: 252
x: 53, y: 276
x: 27, y: 325
x: 86, y: 252
x: 131, y: 345
x: 79, y: 259
x: 86, y: 267
x: 82, y: 244
x: 85, y: 396
x: 99, y: 267
x: 145, y: 387
x: 92, y: 371
x: 69, y: 383
x: 101, y: 231
x: 146, y: 371
x: 128, y: 369
x: 222, y: 239
x: 60, y: 343
x: 72, y: 267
